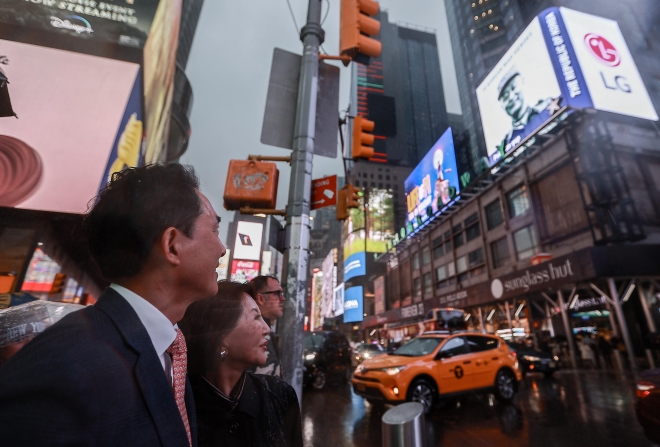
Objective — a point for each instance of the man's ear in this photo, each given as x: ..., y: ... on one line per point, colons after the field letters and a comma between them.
x: 260, y: 300
x: 170, y: 245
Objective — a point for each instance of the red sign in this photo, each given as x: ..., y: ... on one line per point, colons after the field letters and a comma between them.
x: 602, y: 49
x: 324, y: 192
x: 244, y: 271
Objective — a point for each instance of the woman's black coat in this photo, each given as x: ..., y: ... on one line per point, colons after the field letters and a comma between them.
x: 267, y: 414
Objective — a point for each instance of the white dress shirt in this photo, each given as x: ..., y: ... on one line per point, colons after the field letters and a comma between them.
x: 158, y: 326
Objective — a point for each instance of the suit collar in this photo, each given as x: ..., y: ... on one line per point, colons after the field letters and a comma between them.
x: 149, y: 373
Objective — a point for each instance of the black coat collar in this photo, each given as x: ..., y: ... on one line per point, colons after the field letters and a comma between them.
x: 157, y: 392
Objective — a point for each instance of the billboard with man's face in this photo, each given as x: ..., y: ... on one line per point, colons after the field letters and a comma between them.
x: 563, y: 59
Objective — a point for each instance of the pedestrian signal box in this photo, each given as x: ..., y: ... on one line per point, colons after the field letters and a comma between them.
x: 356, y: 26
x: 251, y: 184
x: 361, y: 139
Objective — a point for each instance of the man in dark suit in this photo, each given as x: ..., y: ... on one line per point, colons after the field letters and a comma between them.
x: 114, y: 374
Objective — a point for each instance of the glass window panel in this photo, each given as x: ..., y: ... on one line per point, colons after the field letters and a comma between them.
x: 494, y: 216
x: 459, y: 240
x: 461, y: 264
x: 525, y: 242
x: 426, y: 255
x: 500, y: 252
x: 518, y: 201
x: 472, y: 232
x: 441, y: 273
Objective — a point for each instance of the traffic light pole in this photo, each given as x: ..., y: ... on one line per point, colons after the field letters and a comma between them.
x: 296, y: 255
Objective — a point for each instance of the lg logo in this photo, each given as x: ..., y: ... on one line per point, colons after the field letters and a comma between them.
x: 607, y: 54
x: 602, y: 49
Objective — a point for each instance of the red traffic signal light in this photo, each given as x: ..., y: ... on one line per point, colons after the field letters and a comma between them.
x: 58, y: 283
x: 356, y: 26
x: 361, y: 140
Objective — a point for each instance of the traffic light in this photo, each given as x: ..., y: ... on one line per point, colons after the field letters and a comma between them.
x: 356, y: 27
x: 342, y: 209
x: 362, y: 140
x: 352, y: 196
x: 58, y: 283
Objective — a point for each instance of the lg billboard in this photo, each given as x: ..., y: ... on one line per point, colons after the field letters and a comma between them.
x: 563, y: 60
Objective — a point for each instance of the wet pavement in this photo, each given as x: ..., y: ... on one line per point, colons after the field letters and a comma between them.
x: 581, y: 409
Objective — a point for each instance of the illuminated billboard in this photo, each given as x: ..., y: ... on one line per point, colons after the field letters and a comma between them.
x: 353, y: 304
x: 244, y: 271
x: 329, y: 269
x: 76, y: 114
x: 434, y: 182
x: 563, y: 59
x: 379, y: 219
x: 355, y: 265
x: 248, y: 240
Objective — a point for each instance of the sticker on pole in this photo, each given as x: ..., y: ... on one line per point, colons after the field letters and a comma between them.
x: 324, y: 192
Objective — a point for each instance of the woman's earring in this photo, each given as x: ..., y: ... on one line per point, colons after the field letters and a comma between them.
x: 223, y: 354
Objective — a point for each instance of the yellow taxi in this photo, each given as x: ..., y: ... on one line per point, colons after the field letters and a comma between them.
x: 439, y: 364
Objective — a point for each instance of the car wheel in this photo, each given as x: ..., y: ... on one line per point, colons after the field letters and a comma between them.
x: 319, y: 380
x: 423, y: 392
x: 505, y: 386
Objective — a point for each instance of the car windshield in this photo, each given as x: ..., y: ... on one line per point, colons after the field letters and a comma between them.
x: 372, y: 348
x: 418, y: 347
x: 313, y: 342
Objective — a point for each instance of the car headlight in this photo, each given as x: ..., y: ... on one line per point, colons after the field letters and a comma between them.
x: 393, y: 370
x: 311, y: 356
x: 531, y: 358
x: 556, y: 358
x: 359, y: 369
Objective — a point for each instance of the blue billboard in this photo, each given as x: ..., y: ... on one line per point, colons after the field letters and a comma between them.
x: 353, y: 304
x: 434, y: 182
x: 355, y: 265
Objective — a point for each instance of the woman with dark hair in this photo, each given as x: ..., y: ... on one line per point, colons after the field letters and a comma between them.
x: 225, y: 336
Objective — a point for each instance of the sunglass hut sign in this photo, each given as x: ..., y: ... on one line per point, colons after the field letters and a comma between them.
x: 530, y: 279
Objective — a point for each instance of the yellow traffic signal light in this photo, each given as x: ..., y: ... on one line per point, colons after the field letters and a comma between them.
x: 352, y: 196
x: 362, y: 140
x: 342, y: 210
x: 58, y: 283
x: 356, y: 26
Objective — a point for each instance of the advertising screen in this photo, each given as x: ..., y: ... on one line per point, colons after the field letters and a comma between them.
x: 244, y: 271
x: 338, y: 306
x: 434, y: 182
x: 73, y: 116
x: 520, y: 95
x: 248, y: 240
x: 317, y: 286
x: 124, y: 23
x: 355, y: 265
x: 379, y: 219
x: 379, y: 295
x: 353, y: 304
x: 329, y: 269
x: 608, y: 69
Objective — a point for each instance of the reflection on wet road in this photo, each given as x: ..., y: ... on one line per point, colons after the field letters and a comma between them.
x: 572, y: 409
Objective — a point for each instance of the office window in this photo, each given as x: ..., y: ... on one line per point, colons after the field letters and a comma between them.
x: 525, y: 242
x: 441, y: 273
x: 518, y: 201
x: 426, y: 255
x: 451, y: 269
x: 472, y: 219
x: 459, y: 240
x: 494, y: 217
x: 476, y: 257
x: 456, y: 228
x: 472, y: 232
x: 417, y: 287
x: 438, y: 251
x: 462, y: 264
x: 500, y: 252
x: 415, y: 261
x: 428, y: 284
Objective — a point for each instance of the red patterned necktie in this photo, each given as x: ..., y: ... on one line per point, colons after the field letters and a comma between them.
x: 179, y: 354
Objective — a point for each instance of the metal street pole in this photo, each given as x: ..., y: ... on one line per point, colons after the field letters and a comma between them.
x: 567, y: 327
x: 649, y: 320
x: 296, y: 254
x: 622, y: 325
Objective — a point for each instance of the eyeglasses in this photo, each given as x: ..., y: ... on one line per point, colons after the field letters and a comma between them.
x: 280, y: 293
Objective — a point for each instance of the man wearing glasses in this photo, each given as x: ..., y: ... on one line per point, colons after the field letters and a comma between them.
x: 270, y: 299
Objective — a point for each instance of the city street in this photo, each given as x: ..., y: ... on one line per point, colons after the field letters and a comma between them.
x: 585, y: 408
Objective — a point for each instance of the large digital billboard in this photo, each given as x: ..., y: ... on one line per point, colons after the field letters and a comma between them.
x: 75, y: 114
x: 563, y: 59
x: 434, y: 182
x: 329, y: 269
x: 355, y: 265
x: 244, y: 271
x: 353, y: 304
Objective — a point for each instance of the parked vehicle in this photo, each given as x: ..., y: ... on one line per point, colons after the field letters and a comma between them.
x: 438, y: 365
x: 532, y: 360
x: 365, y: 351
x: 648, y: 404
x: 326, y: 357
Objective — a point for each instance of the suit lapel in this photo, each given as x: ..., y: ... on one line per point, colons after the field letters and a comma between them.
x: 151, y: 379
